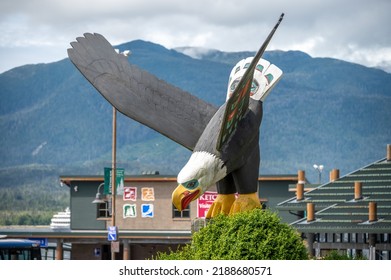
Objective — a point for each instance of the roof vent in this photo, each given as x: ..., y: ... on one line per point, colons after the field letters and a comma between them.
x: 299, y: 192
x: 357, y: 190
x: 301, y: 177
x: 334, y: 175
x: 372, y: 215
x: 310, y: 212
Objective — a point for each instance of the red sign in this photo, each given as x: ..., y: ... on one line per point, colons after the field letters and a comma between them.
x: 130, y: 193
x: 204, y: 202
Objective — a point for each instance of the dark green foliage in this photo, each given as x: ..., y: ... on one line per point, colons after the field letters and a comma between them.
x: 24, y: 218
x: 254, y: 235
x: 336, y: 255
x: 30, y: 195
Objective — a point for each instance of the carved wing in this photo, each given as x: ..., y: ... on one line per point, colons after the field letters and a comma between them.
x: 237, y: 104
x: 138, y: 94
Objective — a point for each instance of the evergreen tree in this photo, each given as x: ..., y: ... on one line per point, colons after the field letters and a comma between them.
x: 254, y: 235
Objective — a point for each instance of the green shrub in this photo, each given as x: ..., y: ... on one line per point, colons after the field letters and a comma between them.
x: 254, y: 235
x: 336, y: 255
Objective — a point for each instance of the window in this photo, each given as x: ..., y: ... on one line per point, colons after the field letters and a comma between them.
x: 178, y: 214
x: 104, y: 210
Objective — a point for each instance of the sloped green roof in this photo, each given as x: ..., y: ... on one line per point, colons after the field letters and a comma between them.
x: 337, y: 211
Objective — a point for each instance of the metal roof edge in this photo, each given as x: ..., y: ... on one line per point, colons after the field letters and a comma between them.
x: 348, y: 174
x: 322, y: 185
x: 67, y: 179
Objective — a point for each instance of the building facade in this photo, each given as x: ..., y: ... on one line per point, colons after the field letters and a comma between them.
x: 143, y: 214
x: 351, y: 214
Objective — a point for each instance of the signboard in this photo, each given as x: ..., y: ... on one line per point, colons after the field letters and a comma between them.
x: 115, y: 247
x: 112, y: 234
x: 130, y: 193
x: 147, y: 194
x: 129, y: 211
x: 147, y: 210
x: 97, y: 252
x: 119, y: 180
x: 204, y: 202
x: 43, y: 242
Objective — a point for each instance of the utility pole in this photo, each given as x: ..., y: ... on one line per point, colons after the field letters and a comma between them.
x: 113, y: 174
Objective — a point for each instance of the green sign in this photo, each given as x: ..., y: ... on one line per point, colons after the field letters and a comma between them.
x: 119, y: 179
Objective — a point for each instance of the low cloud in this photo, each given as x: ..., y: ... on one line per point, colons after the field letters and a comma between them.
x: 353, y: 30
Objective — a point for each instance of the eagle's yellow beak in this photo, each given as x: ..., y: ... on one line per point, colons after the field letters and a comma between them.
x: 181, y: 197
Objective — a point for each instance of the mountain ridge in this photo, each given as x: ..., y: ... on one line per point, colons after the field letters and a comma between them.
x: 323, y: 111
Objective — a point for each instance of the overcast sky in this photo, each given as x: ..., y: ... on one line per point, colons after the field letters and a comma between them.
x: 36, y: 31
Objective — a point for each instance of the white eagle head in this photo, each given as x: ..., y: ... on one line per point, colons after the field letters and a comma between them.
x: 200, y: 172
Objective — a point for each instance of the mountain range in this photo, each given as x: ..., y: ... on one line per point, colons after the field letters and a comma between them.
x: 323, y: 111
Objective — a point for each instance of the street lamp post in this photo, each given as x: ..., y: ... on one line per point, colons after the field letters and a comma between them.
x: 113, y: 174
x: 319, y: 168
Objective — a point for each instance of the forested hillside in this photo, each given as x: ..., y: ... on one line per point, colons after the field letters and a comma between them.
x: 53, y: 121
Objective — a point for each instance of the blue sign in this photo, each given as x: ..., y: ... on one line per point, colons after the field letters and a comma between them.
x: 43, y: 242
x: 112, y: 234
x: 97, y: 252
x: 147, y: 210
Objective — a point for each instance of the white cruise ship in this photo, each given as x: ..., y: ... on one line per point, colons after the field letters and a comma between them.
x: 61, y: 220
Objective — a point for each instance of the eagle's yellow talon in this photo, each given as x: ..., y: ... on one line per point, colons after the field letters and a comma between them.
x: 245, y: 202
x: 221, y: 205
x: 227, y: 204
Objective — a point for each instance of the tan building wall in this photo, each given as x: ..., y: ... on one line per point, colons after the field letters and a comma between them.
x: 155, y: 195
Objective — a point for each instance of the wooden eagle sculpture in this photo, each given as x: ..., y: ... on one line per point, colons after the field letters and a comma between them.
x: 224, y: 141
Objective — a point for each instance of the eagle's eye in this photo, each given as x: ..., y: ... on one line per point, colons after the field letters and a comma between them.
x: 190, y: 185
